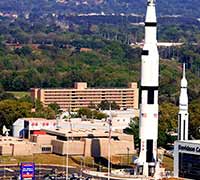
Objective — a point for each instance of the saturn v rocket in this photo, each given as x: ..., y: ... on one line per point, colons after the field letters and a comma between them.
x: 183, y: 109
x: 147, y: 161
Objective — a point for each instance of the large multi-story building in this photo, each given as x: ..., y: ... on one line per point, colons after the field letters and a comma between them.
x: 82, y: 96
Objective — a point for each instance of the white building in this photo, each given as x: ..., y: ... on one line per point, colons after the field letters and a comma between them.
x: 121, y: 118
x: 187, y: 159
x: 24, y: 127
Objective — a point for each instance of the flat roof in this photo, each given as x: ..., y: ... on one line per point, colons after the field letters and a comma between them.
x: 81, y: 133
x: 196, y: 141
x: 37, y: 119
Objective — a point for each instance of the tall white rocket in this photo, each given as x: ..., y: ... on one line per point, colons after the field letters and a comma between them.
x: 183, y: 110
x: 147, y: 160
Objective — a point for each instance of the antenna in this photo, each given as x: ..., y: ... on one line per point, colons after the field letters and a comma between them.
x: 183, y: 70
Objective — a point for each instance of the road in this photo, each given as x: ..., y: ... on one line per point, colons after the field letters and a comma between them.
x: 13, y: 171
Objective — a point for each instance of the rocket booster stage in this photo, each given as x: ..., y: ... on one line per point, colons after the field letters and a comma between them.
x: 149, y: 96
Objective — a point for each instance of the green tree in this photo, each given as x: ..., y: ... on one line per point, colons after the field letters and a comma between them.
x: 55, y: 107
x: 11, y: 110
x: 194, y: 119
x: 88, y: 113
x: 106, y: 105
x: 133, y: 129
x: 168, y: 116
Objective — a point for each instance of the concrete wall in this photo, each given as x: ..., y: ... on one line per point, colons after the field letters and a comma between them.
x: 25, y: 149
x: 5, y: 150
x: 96, y: 147
x: 42, y: 139
x: 72, y: 147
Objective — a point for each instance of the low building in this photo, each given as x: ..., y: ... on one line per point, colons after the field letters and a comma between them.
x: 82, y: 96
x: 24, y: 127
x: 76, y: 143
x: 91, y: 143
x: 187, y: 159
x: 122, y: 118
x: 11, y: 146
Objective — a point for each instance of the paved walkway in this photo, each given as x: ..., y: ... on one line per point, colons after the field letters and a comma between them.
x: 112, y: 177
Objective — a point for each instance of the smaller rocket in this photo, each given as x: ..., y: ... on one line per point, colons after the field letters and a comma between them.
x: 183, y: 110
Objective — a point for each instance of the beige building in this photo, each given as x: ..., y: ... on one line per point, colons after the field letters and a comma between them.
x: 82, y: 96
x: 76, y: 143
x: 11, y: 146
x: 91, y: 143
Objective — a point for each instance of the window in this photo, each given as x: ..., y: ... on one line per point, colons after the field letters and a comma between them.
x: 46, y: 149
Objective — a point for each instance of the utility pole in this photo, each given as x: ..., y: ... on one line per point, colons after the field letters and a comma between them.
x: 109, y: 153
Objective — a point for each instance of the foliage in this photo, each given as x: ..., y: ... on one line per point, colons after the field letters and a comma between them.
x: 133, y: 129
x: 11, y: 110
x: 45, y: 112
x: 106, y: 105
x: 167, y: 123
x: 92, y: 114
x: 36, y: 9
x: 55, y: 107
x: 194, y: 119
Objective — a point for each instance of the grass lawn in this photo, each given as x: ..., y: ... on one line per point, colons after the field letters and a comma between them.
x: 60, y: 160
x: 76, y: 161
x: 38, y: 159
x: 168, y: 163
x: 19, y: 94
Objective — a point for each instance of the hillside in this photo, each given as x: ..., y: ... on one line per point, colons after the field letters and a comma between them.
x: 169, y: 7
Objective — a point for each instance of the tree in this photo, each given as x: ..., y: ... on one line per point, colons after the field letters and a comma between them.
x: 88, y: 113
x: 11, y: 110
x: 106, y: 105
x: 168, y: 116
x: 133, y: 129
x: 194, y: 119
x: 55, y: 107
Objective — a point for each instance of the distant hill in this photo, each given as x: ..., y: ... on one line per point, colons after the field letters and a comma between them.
x: 165, y: 7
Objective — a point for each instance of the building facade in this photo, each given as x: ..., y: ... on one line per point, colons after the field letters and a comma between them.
x: 75, y: 143
x: 82, y: 96
x: 92, y: 143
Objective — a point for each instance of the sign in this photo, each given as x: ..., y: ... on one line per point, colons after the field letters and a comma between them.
x: 27, y: 171
x: 189, y: 148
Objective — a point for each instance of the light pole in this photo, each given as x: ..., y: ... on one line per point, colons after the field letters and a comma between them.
x: 128, y: 155
x: 81, y: 165
x: 109, y: 153
x: 67, y: 160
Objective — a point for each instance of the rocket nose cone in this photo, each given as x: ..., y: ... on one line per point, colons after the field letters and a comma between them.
x: 184, y: 82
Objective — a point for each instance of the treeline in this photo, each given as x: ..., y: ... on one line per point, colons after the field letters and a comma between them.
x: 170, y: 7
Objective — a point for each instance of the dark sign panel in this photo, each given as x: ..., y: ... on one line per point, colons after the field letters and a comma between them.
x: 27, y: 170
x: 189, y: 166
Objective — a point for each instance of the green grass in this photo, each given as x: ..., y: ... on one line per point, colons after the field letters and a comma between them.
x: 37, y: 158
x: 75, y: 161
x: 19, y: 94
